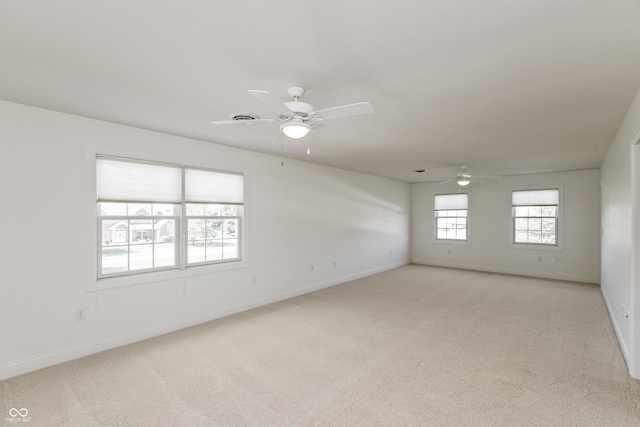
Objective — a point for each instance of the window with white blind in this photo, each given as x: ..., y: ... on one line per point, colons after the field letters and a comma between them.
x: 451, y: 213
x: 159, y: 216
x: 535, y: 216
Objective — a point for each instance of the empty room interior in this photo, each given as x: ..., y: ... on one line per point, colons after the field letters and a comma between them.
x: 320, y: 213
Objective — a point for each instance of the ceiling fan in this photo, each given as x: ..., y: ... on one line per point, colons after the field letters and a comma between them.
x: 463, y: 178
x: 298, y: 118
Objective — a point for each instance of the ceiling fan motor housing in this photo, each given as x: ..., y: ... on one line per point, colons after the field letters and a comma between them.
x: 299, y: 108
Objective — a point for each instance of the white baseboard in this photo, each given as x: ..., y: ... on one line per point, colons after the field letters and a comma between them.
x: 616, y: 329
x: 64, y: 355
x: 566, y: 277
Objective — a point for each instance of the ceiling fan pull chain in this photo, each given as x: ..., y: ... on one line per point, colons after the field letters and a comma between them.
x: 281, y: 150
x: 309, y: 144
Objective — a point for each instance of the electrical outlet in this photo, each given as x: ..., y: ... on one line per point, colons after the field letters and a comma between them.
x: 335, y: 264
x: 390, y: 253
x: 255, y: 280
x: 539, y: 259
x: 313, y: 268
x: 81, y: 314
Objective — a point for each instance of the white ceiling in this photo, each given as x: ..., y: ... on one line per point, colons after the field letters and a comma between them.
x: 506, y: 87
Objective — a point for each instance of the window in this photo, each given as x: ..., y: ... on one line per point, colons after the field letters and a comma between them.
x: 535, y: 216
x: 212, y: 231
x: 136, y: 237
x: 451, y: 216
x: 157, y: 216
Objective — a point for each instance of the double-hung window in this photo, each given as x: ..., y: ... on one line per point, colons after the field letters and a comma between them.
x: 158, y: 216
x: 535, y: 216
x: 451, y: 213
x: 213, y: 202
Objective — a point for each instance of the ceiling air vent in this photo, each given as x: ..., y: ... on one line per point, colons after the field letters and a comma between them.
x: 243, y: 117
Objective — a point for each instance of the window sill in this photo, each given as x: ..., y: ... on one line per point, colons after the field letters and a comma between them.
x: 537, y: 247
x: 452, y: 242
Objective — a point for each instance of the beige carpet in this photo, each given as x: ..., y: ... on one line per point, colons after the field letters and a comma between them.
x: 415, y: 346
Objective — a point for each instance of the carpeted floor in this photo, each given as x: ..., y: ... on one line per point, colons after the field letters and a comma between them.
x: 415, y: 346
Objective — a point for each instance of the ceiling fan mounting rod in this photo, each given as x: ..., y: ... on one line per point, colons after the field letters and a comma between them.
x: 295, y: 93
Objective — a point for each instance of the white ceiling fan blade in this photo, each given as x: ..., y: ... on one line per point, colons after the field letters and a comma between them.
x: 335, y: 131
x: 242, y: 122
x: 276, y: 138
x: 226, y: 122
x: 441, y: 180
x: 487, y: 176
x: 345, y: 111
x: 268, y: 99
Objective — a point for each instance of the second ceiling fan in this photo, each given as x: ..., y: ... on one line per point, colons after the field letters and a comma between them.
x: 463, y: 178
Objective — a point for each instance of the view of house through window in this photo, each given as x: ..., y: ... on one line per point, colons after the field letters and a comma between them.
x: 451, y: 216
x: 137, y: 236
x: 535, y: 216
x: 154, y: 216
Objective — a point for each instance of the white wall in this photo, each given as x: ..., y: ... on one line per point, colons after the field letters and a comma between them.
x: 620, y: 182
x: 298, y: 215
x: 489, y: 247
x: 634, y: 316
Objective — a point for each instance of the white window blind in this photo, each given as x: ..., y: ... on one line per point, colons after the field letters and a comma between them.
x: 128, y: 181
x: 536, y: 198
x: 451, y: 201
x: 206, y: 186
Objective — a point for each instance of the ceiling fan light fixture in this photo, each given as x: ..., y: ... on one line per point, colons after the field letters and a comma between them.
x: 295, y: 129
x: 463, y: 182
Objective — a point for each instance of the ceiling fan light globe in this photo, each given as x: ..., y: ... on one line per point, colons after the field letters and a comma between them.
x: 463, y: 182
x: 295, y: 130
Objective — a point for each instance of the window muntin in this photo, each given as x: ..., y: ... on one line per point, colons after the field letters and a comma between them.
x: 142, y: 228
x: 451, y: 212
x: 535, y: 217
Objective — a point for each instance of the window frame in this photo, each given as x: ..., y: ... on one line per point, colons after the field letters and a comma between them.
x: 137, y: 277
x: 465, y: 241
x: 559, y: 245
